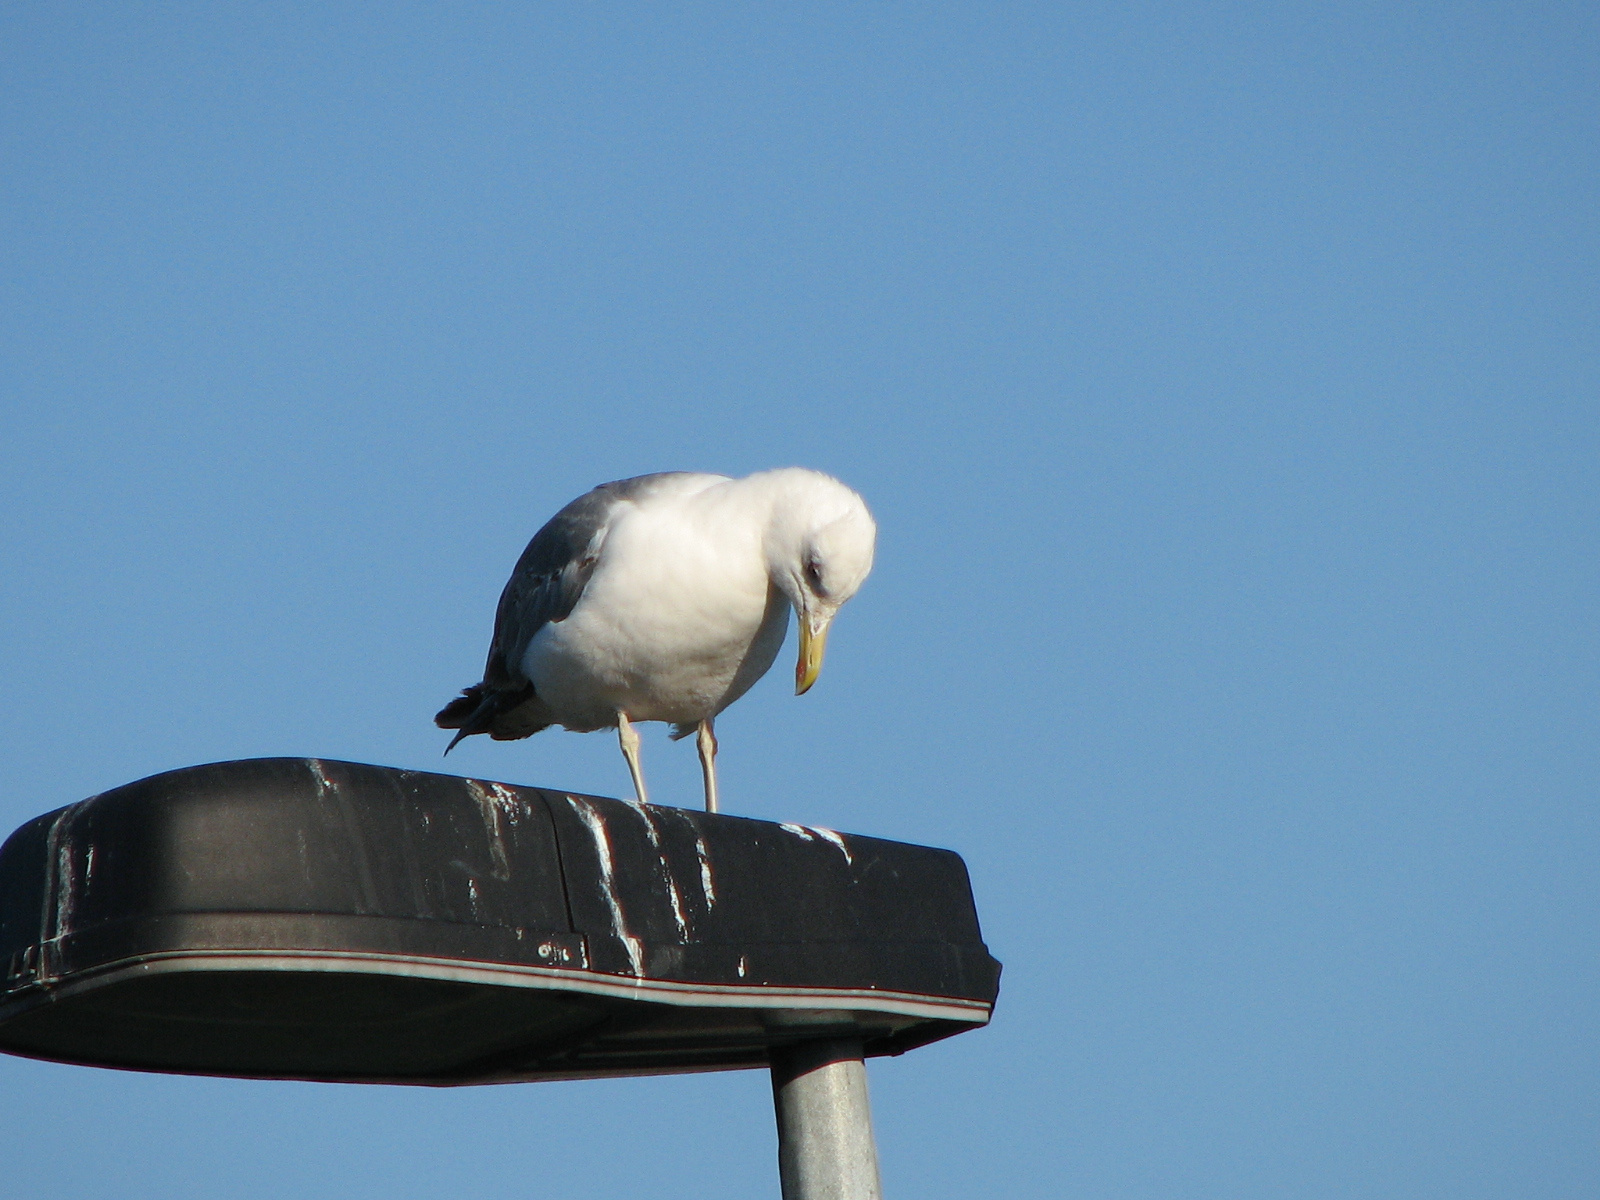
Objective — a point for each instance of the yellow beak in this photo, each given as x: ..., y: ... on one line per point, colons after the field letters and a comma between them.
x: 812, y: 644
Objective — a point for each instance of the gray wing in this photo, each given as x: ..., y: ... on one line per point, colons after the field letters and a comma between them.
x: 549, y: 578
x: 545, y: 586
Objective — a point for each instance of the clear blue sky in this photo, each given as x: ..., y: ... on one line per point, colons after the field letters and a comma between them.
x: 1223, y: 377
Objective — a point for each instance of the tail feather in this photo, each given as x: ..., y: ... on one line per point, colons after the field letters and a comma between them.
x: 477, y: 709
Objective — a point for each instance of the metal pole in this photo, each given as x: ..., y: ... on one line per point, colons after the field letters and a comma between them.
x: 825, y: 1146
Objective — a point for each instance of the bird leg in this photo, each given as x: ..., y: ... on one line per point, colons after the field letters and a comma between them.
x: 628, y: 737
x: 707, y: 741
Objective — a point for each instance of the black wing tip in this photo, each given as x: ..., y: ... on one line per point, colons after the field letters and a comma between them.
x: 478, y: 709
x: 460, y: 715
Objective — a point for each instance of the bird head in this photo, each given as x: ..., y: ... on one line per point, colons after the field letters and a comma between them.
x: 819, y: 549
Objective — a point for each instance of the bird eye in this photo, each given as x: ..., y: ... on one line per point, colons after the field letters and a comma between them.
x: 814, y: 574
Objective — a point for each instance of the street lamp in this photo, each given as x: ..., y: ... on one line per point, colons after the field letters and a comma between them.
x: 310, y: 919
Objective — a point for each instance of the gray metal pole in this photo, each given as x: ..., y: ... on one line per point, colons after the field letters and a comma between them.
x: 825, y: 1145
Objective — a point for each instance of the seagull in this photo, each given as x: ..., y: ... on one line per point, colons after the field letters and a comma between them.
x: 664, y: 598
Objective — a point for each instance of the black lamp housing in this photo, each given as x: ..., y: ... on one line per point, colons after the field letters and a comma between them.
x: 311, y: 919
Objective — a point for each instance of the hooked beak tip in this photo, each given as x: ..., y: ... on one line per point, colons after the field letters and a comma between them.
x: 813, y: 643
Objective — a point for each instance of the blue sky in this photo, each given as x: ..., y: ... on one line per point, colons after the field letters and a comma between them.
x: 1223, y: 378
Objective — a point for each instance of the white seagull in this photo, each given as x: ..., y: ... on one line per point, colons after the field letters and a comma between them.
x: 664, y: 598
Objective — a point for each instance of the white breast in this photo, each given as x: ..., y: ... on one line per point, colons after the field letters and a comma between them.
x: 677, y: 621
